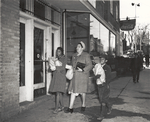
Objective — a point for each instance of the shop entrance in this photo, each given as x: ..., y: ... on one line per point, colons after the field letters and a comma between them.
x: 39, y: 63
x: 36, y: 46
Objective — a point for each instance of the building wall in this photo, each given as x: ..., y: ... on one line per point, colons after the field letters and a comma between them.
x: 111, y: 18
x: 9, y: 58
x: 100, y: 8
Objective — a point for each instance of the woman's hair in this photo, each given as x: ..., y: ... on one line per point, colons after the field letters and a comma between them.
x: 61, y: 49
x: 80, y: 44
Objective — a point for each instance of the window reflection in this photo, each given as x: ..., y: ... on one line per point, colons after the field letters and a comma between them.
x: 99, y: 37
x: 112, y: 44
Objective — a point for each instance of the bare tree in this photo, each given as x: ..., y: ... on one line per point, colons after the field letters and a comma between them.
x: 137, y: 35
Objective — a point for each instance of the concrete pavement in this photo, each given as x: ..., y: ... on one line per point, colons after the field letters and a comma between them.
x: 130, y: 104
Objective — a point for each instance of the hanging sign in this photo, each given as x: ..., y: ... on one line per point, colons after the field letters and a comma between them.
x: 127, y: 25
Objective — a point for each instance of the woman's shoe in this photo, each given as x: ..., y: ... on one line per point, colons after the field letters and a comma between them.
x: 83, y: 109
x: 69, y: 110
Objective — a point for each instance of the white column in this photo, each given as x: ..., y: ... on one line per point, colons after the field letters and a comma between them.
x: 29, y: 70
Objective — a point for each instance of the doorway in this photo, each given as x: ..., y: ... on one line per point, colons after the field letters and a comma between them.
x: 39, y: 63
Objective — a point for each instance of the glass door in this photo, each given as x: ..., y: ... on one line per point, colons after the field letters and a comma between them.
x: 39, y: 63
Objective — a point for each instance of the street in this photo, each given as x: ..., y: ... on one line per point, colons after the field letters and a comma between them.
x: 130, y: 104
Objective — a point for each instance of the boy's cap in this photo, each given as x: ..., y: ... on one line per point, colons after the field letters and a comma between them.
x: 103, y: 56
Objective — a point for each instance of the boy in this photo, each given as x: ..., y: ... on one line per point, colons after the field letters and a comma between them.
x: 103, y: 87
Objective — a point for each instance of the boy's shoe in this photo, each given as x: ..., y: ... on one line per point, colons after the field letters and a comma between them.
x: 109, y: 111
x: 100, y: 118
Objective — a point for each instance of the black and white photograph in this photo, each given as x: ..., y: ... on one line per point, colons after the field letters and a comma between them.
x: 74, y: 61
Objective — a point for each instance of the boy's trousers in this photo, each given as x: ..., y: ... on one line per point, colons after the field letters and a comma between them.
x: 103, y: 93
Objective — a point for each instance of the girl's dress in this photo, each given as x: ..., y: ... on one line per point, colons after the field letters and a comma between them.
x: 58, y: 83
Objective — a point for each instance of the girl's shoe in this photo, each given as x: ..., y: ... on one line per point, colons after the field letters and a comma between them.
x: 55, y: 111
x: 83, y: 109
x: 61, y: 109
x: 100, y: 118
x: 69, y: 110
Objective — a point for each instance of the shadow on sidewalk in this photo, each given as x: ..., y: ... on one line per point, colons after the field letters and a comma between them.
x: 145, y: 92
x: 116, y: 113
x: 92, y: 112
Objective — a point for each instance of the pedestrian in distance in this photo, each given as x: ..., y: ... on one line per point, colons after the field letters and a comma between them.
x: 58, y: 84
x: 136, y: 65
x: 82, y: 64
x: 102, y: 73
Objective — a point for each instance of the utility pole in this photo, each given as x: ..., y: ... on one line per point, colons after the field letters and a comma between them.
x: 134, y: 4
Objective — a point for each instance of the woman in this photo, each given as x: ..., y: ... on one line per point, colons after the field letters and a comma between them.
x: 58, y: 84
x: 80, y: 77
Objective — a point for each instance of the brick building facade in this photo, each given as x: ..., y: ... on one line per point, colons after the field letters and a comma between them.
x: 9, y: 58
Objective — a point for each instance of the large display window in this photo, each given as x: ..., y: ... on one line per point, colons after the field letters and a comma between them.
x: 77, y: 30
x: 85, y: 27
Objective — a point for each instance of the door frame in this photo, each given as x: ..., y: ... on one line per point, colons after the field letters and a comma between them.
x: 26, y: 93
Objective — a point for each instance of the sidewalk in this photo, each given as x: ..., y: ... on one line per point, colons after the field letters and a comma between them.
x: 130, y: 104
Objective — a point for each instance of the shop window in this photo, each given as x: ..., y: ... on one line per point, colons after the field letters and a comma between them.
x: 77, y: 30
x: 85, y: 27
x: 22, y: 54
x: 99, y: 41
x: 23, y: 5
x: 52, y: 16
x: 39, y: 10
x: 55, y: 16
x: 112, y: 44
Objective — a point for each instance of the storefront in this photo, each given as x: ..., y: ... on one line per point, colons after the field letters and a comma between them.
x: 31, y: 31
x: 41, y: 32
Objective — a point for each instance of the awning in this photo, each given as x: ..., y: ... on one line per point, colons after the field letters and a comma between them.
x: 70, y: 5
x: 127, y: 25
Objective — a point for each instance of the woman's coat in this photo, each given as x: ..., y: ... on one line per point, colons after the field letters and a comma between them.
x: 79, y: 83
